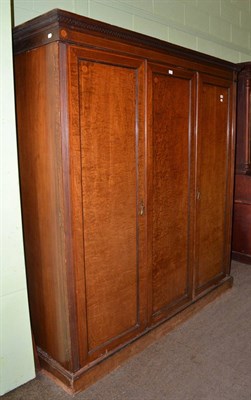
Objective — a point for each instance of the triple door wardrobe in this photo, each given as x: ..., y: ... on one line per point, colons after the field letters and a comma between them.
x: 126, y: 154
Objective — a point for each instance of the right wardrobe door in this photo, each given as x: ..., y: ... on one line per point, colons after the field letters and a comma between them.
x: 214, y: 163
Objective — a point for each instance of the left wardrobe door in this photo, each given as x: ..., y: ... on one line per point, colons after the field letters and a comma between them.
x: 107, y: 194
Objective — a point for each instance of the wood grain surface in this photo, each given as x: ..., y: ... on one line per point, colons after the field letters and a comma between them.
x: 39, y: 145
x: 111, y: 276
x: 212, y: 183
x: 241, y: 243
x: 172, y: 131
x: 109, y: 179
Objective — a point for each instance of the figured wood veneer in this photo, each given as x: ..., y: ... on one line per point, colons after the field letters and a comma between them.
x: 172, y: 130
x: 109, y: 188
x: 126, y: 151
x: 213, y: 158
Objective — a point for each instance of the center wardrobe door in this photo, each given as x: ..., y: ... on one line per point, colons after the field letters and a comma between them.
x: 111, y: 276
x: 171, y: 188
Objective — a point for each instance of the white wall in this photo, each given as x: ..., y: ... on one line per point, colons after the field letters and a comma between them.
x: 218, y: 27
x: 16, y: 355
x: 221, y: 28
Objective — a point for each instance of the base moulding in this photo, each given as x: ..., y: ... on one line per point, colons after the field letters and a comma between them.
x: 73, y: 383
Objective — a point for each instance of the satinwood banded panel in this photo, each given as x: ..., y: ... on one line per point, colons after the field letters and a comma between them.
x: 172, y: 141
x: 214, y: 136
x: 111, y: 136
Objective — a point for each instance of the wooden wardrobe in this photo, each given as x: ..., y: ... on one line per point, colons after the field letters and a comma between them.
x: 242, y: 196
x: 126, y: 152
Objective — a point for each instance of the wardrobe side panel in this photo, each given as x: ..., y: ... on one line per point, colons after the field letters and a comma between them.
x: 39, y: 145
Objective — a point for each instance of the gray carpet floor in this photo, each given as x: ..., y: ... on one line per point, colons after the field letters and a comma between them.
x: 206, y: 358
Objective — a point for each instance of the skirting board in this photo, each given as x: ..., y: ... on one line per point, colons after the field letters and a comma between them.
x: 241, y: 257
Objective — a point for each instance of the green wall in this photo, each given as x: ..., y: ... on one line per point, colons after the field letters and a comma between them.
x: 16, y: 355
x: 221, y: 28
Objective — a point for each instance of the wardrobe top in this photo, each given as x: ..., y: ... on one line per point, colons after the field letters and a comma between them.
x: 245, y: 70
x: 59, y: 25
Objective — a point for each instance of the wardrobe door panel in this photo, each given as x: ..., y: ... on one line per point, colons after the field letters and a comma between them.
x: 170, y: 189
x: 109, y: 179
x: 110, y: 97
x: 213, y: 179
